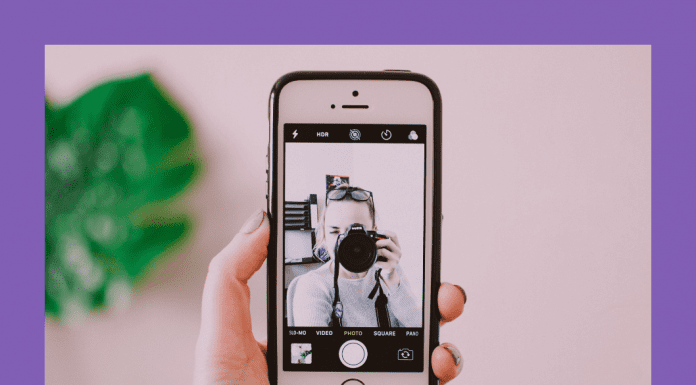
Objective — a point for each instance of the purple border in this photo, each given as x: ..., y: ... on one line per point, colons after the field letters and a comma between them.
x: 26, y: 28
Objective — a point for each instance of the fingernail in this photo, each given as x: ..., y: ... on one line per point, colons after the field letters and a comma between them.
x: 455, y: 354
x: 253, y: 222
x: 463, y: 292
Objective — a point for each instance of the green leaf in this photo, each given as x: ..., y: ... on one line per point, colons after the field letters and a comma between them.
x: 152, y: 242
x: 169, y: 182
x: 120, y: 148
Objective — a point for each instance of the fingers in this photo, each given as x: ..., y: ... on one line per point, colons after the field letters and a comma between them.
x: 263, y: 346
x: 388, y: 244
x: 447, y: 362
x: 391, y: 257
x: 389, y: 251
x: 245, y: 255
x: 225, y: 316
x: 450, y: 301
x: 392, y: 236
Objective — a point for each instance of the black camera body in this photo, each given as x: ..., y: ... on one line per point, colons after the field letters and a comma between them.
x: 356, y: 249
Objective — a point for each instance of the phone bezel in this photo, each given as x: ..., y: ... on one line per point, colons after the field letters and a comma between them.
x: 434, y: 223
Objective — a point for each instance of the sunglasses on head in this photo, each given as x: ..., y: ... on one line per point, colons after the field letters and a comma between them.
x: 355, y: 193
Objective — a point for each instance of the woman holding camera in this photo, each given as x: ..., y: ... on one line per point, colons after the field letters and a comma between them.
x: 316, y: 300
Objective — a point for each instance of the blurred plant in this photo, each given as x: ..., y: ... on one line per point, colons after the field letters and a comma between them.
x: 115, y: 158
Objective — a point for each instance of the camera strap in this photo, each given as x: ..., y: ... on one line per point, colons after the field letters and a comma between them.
x: 380, y: 303
x: 337, y: 312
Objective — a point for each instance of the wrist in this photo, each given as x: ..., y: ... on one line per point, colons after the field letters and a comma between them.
x: 392, y: 279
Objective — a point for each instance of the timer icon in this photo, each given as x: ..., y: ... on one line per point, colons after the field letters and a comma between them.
x: 386, y: 135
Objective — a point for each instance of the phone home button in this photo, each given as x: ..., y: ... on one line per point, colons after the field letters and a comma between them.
x: 352, y: 354
x: 353, y: 381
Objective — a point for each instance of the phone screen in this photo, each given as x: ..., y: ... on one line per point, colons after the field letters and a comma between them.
x: 354, y: 247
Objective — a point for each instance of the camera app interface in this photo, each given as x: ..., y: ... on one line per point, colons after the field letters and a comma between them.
x: 354, y: 231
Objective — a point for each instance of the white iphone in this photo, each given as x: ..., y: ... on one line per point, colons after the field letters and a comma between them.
x: 354, y: 200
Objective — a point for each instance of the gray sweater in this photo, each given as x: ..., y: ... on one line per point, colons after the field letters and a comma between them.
x: 315, y: 293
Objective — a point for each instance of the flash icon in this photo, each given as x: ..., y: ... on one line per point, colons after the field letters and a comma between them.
x: 294, y: 134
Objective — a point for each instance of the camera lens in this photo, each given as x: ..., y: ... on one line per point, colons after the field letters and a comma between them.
x: 357, y: 253
x: 333, y: 106
x: 355, y: 93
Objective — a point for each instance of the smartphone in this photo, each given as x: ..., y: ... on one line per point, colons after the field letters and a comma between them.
x: 354, y: 169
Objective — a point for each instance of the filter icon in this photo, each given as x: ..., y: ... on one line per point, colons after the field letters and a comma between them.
x: 413, y: 135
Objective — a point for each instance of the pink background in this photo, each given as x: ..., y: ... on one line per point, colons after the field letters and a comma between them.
x: 546, y: 182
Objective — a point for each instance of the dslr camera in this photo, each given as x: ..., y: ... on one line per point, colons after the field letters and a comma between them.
x: 356, y: 249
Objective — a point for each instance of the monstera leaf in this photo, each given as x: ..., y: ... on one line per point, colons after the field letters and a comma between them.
x: 116, y: 158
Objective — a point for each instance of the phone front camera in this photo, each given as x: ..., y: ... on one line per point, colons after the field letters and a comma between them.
x: 355, y: 93
x: 333, y: 106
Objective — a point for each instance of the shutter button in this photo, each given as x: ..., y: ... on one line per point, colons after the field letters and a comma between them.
x: 353, y: 354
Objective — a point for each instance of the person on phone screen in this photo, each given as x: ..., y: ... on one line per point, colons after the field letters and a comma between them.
x: 313, y: 299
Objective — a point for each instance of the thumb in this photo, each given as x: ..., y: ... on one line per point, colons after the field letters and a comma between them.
x: 225, y: 316
x: 244, y: 256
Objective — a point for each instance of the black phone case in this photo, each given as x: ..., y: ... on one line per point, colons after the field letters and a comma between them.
x: 272, y: 191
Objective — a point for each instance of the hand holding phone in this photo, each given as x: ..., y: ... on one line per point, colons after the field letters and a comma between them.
x: 226, y: 351
x: 349, y: 152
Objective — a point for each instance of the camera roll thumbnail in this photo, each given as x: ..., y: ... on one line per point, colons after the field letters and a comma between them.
x: 301, y: 353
